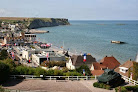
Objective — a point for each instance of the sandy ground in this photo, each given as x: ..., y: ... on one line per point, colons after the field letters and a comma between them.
x: 53, y: 86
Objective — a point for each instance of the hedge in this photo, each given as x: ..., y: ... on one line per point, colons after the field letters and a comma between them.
x: 127, y: 89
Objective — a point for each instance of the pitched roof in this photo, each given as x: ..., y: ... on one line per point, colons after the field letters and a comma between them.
x: 96, y: 66
x: 127, y: 64
x: 97, y: 72
x: 77, y: 60
x: 110, y: 62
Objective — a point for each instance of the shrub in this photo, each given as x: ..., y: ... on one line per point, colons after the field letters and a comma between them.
x: 54, y: 63
x: 10, y: 63
x: 2, y: 89
x: 132, y: 88
x: 50, y: 72
x: 108, y: 87
x: 121, y: 89
x: 25, y: 70
x: 65, y: 69
x: 104, y: 86
x: 127, y: 89
x: 73, y: 74
x: 96, y: 84
x: 39, y: 71
x: 101, y: 85
x: 4, y: 72
x: 3, y: 54
x: 58, y: 73
x: 86, y: 68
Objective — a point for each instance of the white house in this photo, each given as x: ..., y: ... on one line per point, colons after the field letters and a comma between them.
x: 124, y: 68
x: 30, y: 37
x: 70, y: 65
x: 27, y: 53
x: 12, y: 27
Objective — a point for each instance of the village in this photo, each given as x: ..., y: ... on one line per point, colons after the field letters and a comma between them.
x: 24, y: 49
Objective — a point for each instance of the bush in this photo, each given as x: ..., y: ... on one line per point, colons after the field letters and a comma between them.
x: 127, y: 89
x: 132, y: 88
x: 10, y: 63
x: 73, y: 74
x: 58, y: 73
x: 96, y: 84
x: 108, y: 87
x: 2, y: 89
x: 65, y: 69
x: 4, y: 72
x: 102, y: 85
x: 24, y: 70
x: 54, y: 63
x: 50, y: 72
x: 39, y: 71
x: 86, y: 68
x: 3, y: 54
x: 121, y: 89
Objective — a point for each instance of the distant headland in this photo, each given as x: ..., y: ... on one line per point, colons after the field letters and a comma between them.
x: 33, y: 23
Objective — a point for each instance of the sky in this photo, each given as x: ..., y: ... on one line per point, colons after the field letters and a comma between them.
x: 71, y: 9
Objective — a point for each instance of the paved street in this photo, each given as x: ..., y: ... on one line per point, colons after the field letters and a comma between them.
x: 53, y: 86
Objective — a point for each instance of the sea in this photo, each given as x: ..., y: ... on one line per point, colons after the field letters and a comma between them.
x: 94, y: 37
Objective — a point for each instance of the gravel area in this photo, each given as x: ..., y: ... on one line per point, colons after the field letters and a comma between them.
x: 53, y: 86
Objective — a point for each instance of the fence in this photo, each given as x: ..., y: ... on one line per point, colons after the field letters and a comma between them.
x: 53, y: 77
x: 130, y: 80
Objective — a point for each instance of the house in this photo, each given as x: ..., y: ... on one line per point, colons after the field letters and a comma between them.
x: 47, y: 56
x: 30, y: 37
x: 124, y: 68
x: 12, y: 27
x: 26, y: 53
x: 76, y: 61
x: 98, y: 68
x: 109, y: 62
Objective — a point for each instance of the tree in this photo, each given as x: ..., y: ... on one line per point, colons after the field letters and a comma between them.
x: 86, y: 68
x: 4, y: 72
x: 3, y: 54
x: 135, y: 70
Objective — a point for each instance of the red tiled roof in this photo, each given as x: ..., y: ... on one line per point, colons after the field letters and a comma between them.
x: 96, y: 66
x: 109, y: 62
x: 97, y: 72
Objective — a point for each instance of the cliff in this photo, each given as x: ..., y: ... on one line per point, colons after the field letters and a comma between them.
x: 47, y: 22
x: 32, y: 23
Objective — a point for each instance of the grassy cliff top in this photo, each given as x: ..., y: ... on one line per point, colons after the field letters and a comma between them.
x: 11, y: 19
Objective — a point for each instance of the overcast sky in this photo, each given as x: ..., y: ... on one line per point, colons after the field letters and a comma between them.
x: 71, y: 9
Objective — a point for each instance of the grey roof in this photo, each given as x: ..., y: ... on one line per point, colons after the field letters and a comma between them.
x: 77, y: 60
